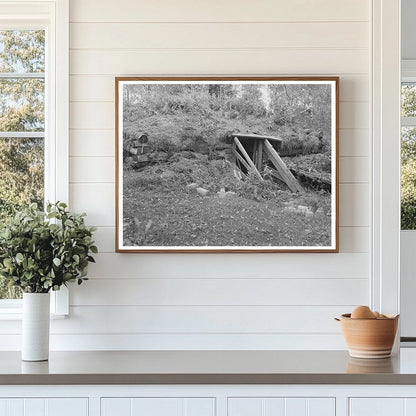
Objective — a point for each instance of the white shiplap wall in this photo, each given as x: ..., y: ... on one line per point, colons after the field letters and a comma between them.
x: 218, y: 301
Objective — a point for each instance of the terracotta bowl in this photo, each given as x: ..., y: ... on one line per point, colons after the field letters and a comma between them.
x: 369, y: 338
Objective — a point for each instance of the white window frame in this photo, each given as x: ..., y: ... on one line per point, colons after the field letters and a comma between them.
x: 53, y: 17
x: 407, y: 236
x: 385, y: 95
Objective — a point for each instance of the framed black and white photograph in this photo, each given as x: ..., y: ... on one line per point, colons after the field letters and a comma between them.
x: 235, y: 164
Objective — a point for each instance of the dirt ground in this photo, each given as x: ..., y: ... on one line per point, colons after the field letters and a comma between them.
x: 165, y: 211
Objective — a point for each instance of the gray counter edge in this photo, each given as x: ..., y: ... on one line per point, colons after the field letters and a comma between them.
x: 158, y: 379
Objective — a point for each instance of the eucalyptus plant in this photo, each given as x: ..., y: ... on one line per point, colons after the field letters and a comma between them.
x: 42, y: 251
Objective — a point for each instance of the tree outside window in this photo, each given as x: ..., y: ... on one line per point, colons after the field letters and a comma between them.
x: 22, y: 124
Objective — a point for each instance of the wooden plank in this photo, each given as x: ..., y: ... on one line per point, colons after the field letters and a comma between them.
x: 260, y: 155
x: 81, y: 115
x: 255, y: 154
x: 354, y: 142
x: 354, y: 170
x: 320, y: 265
x: 92, y: 198
x: 169, y: 341
x: 354, y: 202
x: 241, y: 159
x: 276, y: 174
x: 280, y: 166
x: 92, y: 143
x: 188, y: 320
x: 220, y: 292
x: 91, y: 169
x: 219, y: 11
x: 247, y: 157
x: 218, y: 35
x: 354, y: 115
x: 296, y: 61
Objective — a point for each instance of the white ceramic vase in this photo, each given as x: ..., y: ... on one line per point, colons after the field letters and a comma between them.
x: 35, y: 326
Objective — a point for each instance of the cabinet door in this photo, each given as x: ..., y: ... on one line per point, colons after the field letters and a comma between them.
x: 269, y: 406
x: 382, y: 407
x: 160, y: 406
x: 44, y: 407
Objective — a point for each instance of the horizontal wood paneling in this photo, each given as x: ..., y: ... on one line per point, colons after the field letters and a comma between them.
x: 352, y: 115
x: 94, y: 143
x: 104, y: 238
x: 201, y: 319
x: 194, y: 320
x: 92, y: 115
x: 100, y: 88
x: 219, y: 62
x: 354, y: 170
x: 354, y: 208
x: 231, y: 265
x: 146, y: 342
x: 218, y: 35
x: 218, y: 11
x: 96, y: 199
x: 92, y: 88
x: 90, y: 169
x: 352, y: 239
x: 220, y: 291
x: 354, y: 142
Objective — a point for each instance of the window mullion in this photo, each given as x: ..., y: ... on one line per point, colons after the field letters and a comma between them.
x: 22, y: 134
x: 408, y: 121
x: 22, y: 75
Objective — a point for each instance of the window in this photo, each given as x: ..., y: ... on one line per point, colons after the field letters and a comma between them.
x: 22, y: 124
x: 408, y: 154
x: 33, y: 112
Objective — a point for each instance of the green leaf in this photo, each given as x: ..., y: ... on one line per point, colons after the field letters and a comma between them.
x: 37, y: 255
x: 69, y: 223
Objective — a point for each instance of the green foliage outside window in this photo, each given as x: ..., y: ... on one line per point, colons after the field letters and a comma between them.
x: 408, y: 160
x: 21, y: 110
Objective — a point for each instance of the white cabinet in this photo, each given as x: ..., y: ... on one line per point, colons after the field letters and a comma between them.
x: 208, y: 400
x: 281, y: 406
x: 146, y: 406
x: 382, y: 406
x: 44, y: 407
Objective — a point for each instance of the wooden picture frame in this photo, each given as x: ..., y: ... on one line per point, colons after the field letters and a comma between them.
x: 227, y: 164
